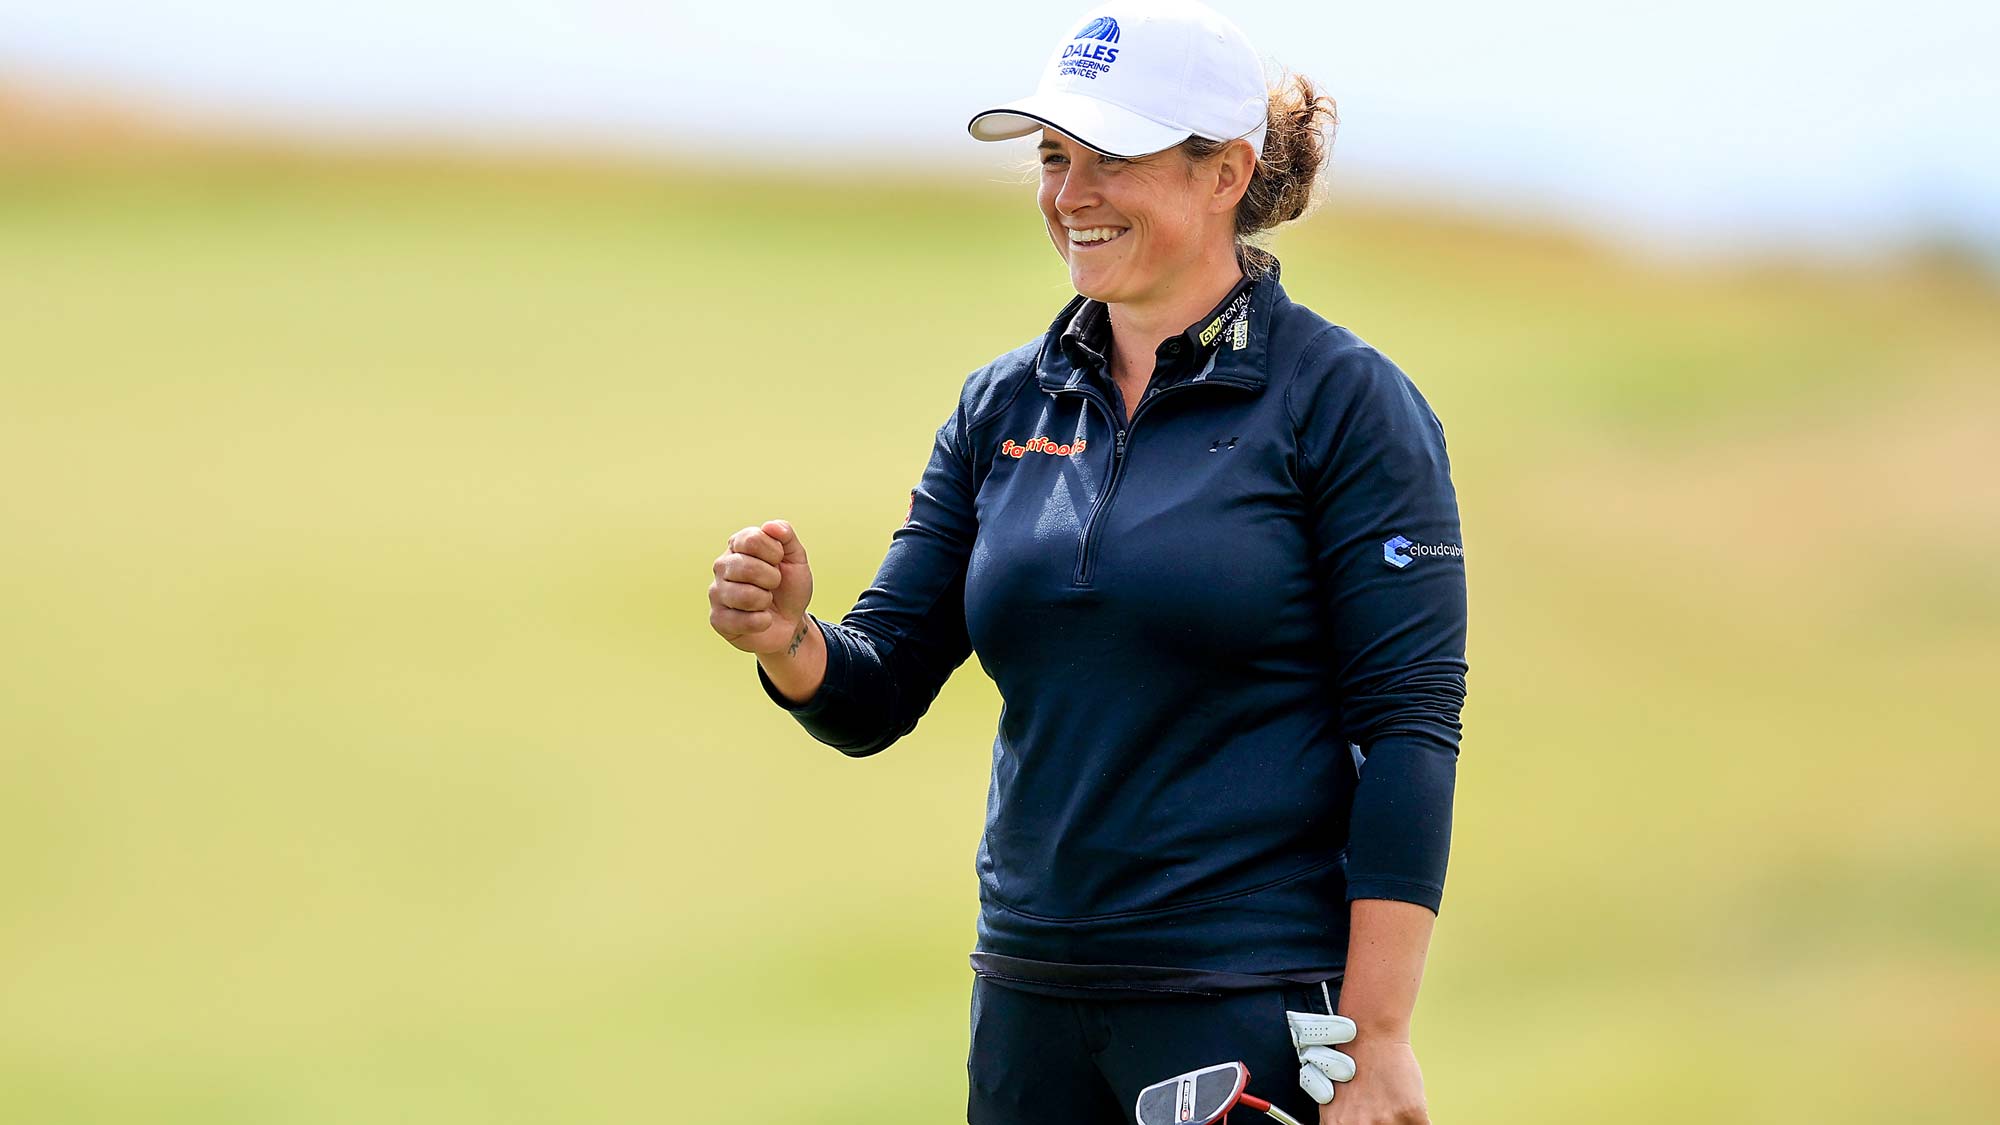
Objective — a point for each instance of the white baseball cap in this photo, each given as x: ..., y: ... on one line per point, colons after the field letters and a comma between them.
x: 1139, y: 76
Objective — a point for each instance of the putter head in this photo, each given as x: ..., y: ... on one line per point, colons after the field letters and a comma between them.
x: 1199, y: 1097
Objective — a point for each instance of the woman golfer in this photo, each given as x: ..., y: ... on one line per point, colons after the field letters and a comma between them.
x: 1207, y: 545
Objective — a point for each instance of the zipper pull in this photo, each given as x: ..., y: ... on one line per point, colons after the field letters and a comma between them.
x: 1118, y: 444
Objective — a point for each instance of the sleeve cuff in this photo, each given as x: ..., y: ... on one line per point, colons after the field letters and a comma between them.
x: 836, y: 673
x: 1423, y: 894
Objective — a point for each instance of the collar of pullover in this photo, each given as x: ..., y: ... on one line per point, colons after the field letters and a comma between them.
x: 1226, y: 345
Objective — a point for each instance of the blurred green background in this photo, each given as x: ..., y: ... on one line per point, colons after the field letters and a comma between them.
x: 368, y: 757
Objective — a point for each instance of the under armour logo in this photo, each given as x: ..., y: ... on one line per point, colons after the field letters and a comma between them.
x: 1220, y: 444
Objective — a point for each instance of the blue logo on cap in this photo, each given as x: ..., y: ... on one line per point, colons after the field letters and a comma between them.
x: 1082, y: 58
x: 1103, y: 27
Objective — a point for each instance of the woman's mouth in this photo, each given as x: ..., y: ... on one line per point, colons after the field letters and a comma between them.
x: 1094, y: 236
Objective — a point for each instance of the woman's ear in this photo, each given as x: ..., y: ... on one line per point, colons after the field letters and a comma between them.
x: 1234, y: 166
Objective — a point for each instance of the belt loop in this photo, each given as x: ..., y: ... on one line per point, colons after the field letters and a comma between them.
x: 1327, y: 996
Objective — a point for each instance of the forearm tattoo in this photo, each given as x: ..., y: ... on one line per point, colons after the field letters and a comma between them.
x: 797, y: 638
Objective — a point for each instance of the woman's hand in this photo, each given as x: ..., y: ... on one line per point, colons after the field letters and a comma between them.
x: 1387, y: 1088
x: 762, y: 585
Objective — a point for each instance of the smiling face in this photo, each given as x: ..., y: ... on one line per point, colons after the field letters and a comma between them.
x: 1130, y: 228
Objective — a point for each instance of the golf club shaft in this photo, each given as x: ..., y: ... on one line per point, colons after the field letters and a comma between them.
x: 1255, y: 1102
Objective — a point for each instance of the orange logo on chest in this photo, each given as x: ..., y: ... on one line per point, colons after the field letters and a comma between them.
x: 1011, y: 448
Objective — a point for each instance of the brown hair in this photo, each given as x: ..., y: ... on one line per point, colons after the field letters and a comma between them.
x: 1297, y: 140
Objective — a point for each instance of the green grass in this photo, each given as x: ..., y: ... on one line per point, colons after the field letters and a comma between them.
x: 368, y: 756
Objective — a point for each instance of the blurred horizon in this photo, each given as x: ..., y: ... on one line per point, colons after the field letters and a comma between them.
x: 1825, y: 130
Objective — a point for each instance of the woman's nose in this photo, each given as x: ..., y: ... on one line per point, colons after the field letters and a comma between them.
x: 1079, y: 190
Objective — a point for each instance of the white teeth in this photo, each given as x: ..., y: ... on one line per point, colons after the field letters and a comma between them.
x: 1096, y: 234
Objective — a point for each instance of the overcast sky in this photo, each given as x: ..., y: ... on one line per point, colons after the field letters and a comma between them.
x: 1843, y: 125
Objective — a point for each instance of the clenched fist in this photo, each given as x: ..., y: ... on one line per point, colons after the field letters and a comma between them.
x: 757, y: 601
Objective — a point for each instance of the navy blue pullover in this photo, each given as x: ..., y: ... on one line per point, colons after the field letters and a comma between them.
x: 1228, y: 636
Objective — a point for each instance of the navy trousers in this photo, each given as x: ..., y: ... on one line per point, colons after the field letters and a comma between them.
x: 1047, y: 1060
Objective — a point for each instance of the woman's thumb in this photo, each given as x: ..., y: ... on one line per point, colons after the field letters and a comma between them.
x: 782, y: 531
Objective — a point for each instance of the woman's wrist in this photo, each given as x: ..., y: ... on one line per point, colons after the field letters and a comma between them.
x: 1386, y: 1027
x: 798, y: 669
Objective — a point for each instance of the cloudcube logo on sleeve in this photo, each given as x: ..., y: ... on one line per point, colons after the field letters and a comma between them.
x: 1399, y: 551
x: 1090, y: 54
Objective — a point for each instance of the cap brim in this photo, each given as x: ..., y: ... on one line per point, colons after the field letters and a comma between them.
x: 1110, y: 129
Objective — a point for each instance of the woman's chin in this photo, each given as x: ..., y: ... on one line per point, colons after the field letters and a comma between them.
x: 1096, y: 284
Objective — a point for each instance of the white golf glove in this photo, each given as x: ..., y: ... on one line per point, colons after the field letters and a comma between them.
x: 1320, y: 1065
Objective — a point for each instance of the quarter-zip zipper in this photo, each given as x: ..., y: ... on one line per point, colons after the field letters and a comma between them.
x: 1087, y: 541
